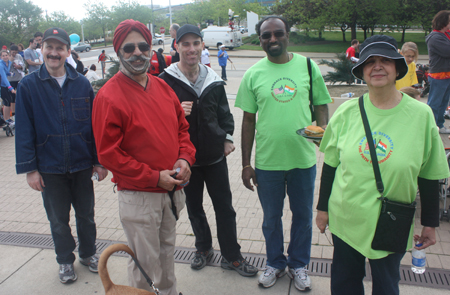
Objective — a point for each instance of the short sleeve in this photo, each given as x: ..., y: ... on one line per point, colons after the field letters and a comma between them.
x: 320, y: 92
x: 246, y: 98
x: 435, y: 164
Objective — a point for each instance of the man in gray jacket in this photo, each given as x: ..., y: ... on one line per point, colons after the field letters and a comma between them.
x: 202, y: 96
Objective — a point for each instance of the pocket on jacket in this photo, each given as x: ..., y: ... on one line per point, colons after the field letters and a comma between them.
x: 81, y: 108
x: 50, y: 151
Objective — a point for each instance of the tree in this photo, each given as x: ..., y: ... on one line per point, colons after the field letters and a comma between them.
x: 99, y: 17
x: 19, y: 20
x: 61, y: 20
x: 125, y: 10
x: 343, y: 70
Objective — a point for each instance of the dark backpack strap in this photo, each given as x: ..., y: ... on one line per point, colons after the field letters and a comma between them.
x: 373, y: 155
x: 311, y: 105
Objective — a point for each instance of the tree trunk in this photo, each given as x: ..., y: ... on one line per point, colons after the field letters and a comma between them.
x: 104, y: 35
x: 403, y: 35
x: 320, y: 33
x: 365, y: 33
x: 353, y: 27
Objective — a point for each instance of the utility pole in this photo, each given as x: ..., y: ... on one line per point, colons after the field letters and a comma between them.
x: 170, y: 12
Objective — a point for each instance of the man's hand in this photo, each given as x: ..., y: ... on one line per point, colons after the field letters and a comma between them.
x: 187, y: 107
x: 427, y: 238
x: 102, y: 172
x: 166, y: 181
x: 35, y: 181
x: 247, y: 174
x: 185, y: 171
x: 322, y: 220
x: 13, y: 91
x: 228, y: 148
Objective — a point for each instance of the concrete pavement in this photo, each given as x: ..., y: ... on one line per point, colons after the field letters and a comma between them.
x: 34, y: 271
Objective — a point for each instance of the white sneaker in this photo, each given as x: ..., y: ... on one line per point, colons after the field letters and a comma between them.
x: 444, y: 130
x: 301, y: 279
x: 270, y: 275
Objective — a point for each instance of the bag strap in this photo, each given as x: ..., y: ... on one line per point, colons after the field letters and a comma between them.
x: 373, y: 155
x: 310, y: 82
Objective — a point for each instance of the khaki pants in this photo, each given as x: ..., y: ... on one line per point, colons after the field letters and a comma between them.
x: 150, y: 227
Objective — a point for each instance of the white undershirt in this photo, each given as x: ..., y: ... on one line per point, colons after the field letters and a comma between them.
x: 60, y: 80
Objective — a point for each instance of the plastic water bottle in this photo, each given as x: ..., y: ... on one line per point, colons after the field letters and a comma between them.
x: 418, y: 260
x: 94, y: 176
x: 350, y: 94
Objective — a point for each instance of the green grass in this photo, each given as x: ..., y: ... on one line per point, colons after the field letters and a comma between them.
x: 333, y: 42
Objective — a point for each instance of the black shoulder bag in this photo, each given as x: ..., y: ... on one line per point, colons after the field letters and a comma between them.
x: 395, y: 220
x: 311, y: 106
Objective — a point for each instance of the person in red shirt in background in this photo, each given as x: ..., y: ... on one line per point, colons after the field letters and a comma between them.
x: 159, y: 62
x: 142, y: 137
x: 351, y: 51
x: 102, y: 59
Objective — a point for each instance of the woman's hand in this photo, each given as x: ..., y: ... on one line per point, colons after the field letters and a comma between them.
x: 322, y: 220
x: 427, y: 238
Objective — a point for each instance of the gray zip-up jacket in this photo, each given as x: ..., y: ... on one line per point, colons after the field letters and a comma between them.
x: 439, y: 52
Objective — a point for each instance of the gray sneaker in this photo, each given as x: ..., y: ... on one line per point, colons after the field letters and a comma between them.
x: 444, y: 130
x: 67, y: 273
x: 270, y: 275
x: 301, y: 279
x: 92, y: 262
x: 201, y: 258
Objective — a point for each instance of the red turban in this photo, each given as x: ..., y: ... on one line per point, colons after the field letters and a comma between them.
x: 125, y: 27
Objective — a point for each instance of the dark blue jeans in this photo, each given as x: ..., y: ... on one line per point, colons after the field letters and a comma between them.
x: 438, y: 99
x: 62, y: 191
x: 218, y: 185
x: 272, y: 188
x: 349, y: 269
x: 224, y: 72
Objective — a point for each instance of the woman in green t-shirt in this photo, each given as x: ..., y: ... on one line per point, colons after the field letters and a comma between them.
x: 410, y: 155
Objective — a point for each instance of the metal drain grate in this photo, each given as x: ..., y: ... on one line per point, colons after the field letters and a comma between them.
x: 432, y: 278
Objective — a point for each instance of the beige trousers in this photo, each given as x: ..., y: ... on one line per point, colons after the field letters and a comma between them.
x: 150, y: 227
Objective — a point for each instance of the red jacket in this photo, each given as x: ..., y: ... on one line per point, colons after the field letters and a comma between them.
x: 139, y: 132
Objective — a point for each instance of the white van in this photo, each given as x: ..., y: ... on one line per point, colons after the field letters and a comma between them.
x: 214, y: 36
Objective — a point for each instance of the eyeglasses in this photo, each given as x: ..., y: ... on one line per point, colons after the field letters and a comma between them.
x: 267, y: 35
x: 130, y: 47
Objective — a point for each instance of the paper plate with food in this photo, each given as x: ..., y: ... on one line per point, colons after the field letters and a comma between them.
x: 315, y: 133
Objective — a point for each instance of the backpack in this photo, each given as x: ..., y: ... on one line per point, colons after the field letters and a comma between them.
x: 157, y: 63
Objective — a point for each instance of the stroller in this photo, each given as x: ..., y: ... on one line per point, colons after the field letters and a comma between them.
x: 422, y: 76
x: 10, y: 129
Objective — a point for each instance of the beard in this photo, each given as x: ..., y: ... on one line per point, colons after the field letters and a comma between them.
x: 274, y: 52
x: 126, y: 64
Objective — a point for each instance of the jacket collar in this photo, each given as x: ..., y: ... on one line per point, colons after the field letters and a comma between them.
x: 211, y: 76
x: 70, y: 72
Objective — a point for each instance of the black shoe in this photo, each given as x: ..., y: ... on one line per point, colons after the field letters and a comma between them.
x: 241, y: 266
x: 225, y: 79
x: 201, y: 258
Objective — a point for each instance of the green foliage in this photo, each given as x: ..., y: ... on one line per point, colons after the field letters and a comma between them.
x: 99, y: 19
x: 19, y: 20
x: 124, y: 10
x: 253, y: 39
x: 112, y: 70
x: 61, y: 20
x: 343, y: 70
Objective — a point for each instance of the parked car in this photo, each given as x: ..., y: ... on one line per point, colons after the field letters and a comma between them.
x: 81, y: 46
x: 243, y: 30
x: 157, y: 41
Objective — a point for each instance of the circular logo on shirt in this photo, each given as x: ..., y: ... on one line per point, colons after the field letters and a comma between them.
x: 384, y: 147
x: 284, y: 90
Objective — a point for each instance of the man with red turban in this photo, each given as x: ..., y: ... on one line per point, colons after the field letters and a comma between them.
x: 142, y: 138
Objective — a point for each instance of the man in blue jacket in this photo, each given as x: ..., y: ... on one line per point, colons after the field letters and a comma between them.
x: 55, y: 147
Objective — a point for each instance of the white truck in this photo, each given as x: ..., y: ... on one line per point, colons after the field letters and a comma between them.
x: 214, y: 36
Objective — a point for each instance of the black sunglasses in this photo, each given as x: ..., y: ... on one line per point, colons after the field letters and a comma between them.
x: 267, y: 35
x: 130, y: 47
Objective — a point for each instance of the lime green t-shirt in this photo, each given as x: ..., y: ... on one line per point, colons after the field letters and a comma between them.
x: 279, y: 93
x: 408, y: 146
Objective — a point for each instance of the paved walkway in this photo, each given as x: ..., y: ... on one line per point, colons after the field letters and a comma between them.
x: 21, y: 210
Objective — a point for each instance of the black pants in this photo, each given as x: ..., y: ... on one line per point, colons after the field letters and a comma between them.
x: 62, y: 191
x: 349, y: 269
x: 218, y: 185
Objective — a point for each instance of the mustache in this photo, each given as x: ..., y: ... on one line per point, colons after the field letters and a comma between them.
x: 53, y: 56
x: 134, y: 58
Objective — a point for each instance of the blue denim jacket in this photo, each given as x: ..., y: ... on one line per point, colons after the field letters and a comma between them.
x: 53, y: 124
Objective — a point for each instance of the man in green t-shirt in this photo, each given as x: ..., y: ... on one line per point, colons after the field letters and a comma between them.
x: 277, y: 88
